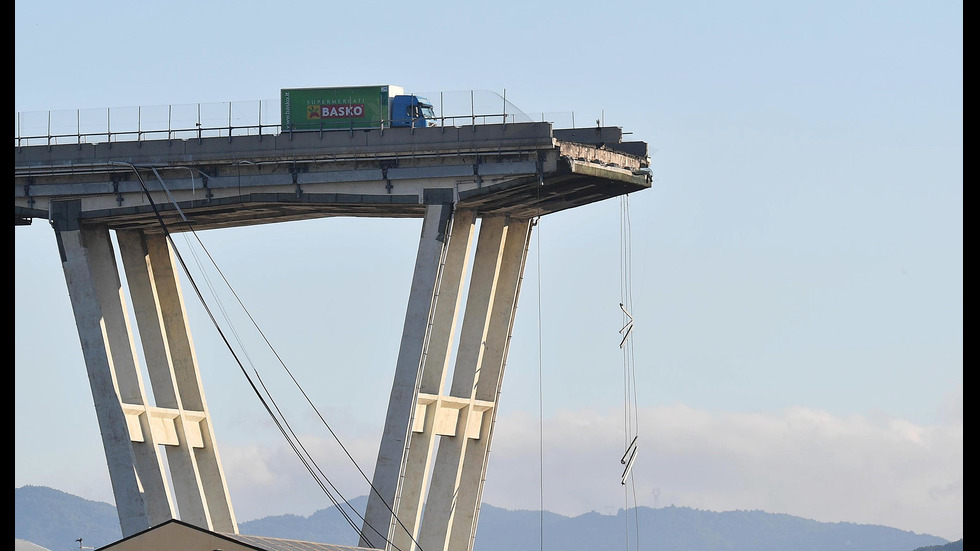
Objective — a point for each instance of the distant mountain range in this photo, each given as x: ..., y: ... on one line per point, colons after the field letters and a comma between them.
x: 56, y: 520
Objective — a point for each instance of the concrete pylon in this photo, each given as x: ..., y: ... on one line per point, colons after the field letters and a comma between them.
x: 171, y: 363
x: 444, y: 493
x: 381, y: 513
x: 437, y: 356
x: 132, y: 428
x: 472, y: 462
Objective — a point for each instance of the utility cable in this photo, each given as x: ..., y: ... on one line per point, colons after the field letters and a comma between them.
x: 313, y: 406
x: 303, y: 458
x: 286, y: 369
x: 540, y: 398
x: 221, y: 333
x: 537, y: 223
x: 629, y: 371
x: 265, y: 404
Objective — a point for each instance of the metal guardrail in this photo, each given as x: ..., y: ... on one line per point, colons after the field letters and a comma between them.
x: 170, y: 122
x: 230, y: 119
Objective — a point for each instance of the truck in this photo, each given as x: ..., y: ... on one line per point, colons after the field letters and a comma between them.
x: 353, y: 107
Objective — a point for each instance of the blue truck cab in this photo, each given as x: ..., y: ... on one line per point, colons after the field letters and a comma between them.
x: 411, y: 111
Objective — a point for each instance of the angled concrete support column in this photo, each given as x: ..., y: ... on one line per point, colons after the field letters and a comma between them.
x: 380, y: 517
x: 132, y: 428
x: 103, y: 331
x: 180, y: 414
x: 437, y: 354
x: 440, y: 505
x: 487, y: 385
x: 129, y: 382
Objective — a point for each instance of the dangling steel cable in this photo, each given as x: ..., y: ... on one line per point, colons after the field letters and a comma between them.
x: 630, y: 424
x: 279, y: 423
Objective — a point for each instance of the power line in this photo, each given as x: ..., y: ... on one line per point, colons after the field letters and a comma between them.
x: 294, y: 440
x: 630, y: 424
x: 540, y: 398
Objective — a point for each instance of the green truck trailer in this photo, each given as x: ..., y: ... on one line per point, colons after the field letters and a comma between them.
x: 353, y: 107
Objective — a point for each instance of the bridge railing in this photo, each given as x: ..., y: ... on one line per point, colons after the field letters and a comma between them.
x: 241, y: 118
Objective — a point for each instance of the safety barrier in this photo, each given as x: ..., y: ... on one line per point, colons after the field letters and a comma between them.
x: 243, y: 118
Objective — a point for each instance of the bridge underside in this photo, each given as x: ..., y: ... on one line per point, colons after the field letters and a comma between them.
x: 521, y: 170
x: 429, y: 475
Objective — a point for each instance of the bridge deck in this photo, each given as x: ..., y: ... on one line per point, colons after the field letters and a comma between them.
x: 521, y: 169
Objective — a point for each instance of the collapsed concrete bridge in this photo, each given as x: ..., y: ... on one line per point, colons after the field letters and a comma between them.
x: 428, y: 479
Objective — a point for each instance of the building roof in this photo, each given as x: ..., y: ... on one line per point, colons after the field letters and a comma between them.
x: 280, y: 544
x: 24, y: 545
x: 192, y: 538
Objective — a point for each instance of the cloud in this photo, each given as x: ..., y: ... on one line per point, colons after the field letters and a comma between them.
x: 272, y: 479
x: 800, y: 461
x: 952, y: 407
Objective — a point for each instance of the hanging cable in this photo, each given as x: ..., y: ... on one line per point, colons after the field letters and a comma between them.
x: 315, y: 409
x: 306, y: 460
x: 540, y: 401
x: 278, y: 422
x: 537, y: 222
x: 630, y: 424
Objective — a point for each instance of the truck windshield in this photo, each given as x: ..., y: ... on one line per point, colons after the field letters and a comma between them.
x: 425, y: 109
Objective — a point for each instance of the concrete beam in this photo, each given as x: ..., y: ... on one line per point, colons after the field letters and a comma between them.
x: 477, y: 450
x: 125, y: 370
x: 425, y: 424
x: 380, y: 515
x: 440, y: 503
x: 81, y: 274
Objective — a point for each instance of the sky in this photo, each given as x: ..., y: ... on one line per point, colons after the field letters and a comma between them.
x: 795, y: 271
